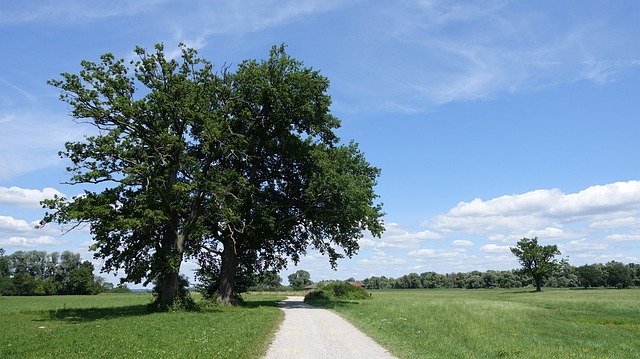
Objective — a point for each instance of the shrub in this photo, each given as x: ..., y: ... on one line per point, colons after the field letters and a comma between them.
x: 337, y: 290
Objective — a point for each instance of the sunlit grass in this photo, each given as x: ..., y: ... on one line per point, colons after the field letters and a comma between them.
x: 501, y: 324
x: 119, y: 325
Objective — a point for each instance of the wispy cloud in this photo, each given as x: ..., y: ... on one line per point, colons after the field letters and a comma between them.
x: 20, y: 90
x: 197, y: 21
x: 71, y: 10
x: 31, y: 139
x: 452, y: 51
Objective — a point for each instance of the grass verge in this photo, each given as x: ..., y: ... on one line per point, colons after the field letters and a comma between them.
x: 119, y: 325
x: 500, y: 324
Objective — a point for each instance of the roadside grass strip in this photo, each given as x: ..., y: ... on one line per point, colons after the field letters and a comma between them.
x: 119, y: 325
x: 500, y: 323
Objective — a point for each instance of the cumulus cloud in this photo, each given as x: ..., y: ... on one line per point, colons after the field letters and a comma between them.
x: 494, y: 248
x: 13, y: 227
x: 462, y: 243
x: 542, y: 211
x: 397, y: 236
x: 29, y: 242
x: 436, y: 253
x: 9, y: 224
x: 582, y: 245
x: 620, y: 220
x: 381, y: 259
x: 26, y: 197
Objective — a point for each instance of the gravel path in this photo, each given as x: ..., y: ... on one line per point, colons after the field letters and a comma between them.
x: 309, y: 332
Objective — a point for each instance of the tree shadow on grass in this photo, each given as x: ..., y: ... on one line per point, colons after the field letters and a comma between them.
x: 333, y: 304
x: 520, y: 291
x: 260, y: 303
x: 81, y: 315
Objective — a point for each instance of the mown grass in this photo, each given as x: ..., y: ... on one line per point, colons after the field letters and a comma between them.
x: 120, y: 326
x: 500, y: 324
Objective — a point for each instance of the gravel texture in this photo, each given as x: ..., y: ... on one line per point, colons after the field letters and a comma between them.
x: 308, y: 332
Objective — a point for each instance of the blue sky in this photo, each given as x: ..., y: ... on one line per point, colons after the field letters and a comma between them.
x: 490, y: 120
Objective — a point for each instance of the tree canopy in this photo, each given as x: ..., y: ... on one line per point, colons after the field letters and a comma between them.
x: 536, y: 260
x: 300, y: 279
x: 42, y: 273
x: 241, y: 170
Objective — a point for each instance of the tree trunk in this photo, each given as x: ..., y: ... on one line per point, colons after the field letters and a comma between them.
x: 173, y: 248
x: 227, y: 281
x: 538, y: 284
x: 169, y: 288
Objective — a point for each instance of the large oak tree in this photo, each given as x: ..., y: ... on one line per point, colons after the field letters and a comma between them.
x: 241, y: 170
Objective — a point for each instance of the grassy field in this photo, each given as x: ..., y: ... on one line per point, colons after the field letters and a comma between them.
x: 119, y: 326
x: 501, y: 324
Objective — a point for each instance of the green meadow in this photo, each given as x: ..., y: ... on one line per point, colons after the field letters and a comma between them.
x: 412, y: 324
x: 500, y: 323
x: 119, y: 326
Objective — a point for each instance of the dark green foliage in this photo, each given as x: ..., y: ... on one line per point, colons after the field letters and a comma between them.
x: 300, y: 279
x: 612, y: 274
x: 337, y: 291
x: 42, y: 273
x: 537, y: 261
x: 182, y: 301
x: 591, y: 275
x: 267, y: 281
x: 81, y: 281
x: 618, y: 275
x: 239, y: 169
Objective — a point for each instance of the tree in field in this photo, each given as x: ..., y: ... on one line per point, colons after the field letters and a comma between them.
x: 4, y: 264
x: 269, y: 281
x: 239, y: 170
x: 618, y: 275
x: 300, y: 279
x: 591, y: 275
x: 537, y: 261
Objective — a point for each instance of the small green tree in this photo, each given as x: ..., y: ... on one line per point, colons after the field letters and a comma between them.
x: 299, y: 279
x: 537, y: 261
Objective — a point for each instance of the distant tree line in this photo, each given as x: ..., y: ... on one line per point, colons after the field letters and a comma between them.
x: 42, y: 273
x: 612, y: 275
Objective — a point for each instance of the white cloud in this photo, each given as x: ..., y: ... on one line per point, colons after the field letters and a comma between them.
x: 396, y: 236
x: 29, y: 242
x: 541, y: 211
x: 436, y: 253
x: 582, y: 245
x: 462, y: 243
x: 9, y: 224
x: 381, y: 259
x: 623, y: 237
x: 617, y: 222
x: 26, y: 197
x: 494, y: 248
x: 12, y: 227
